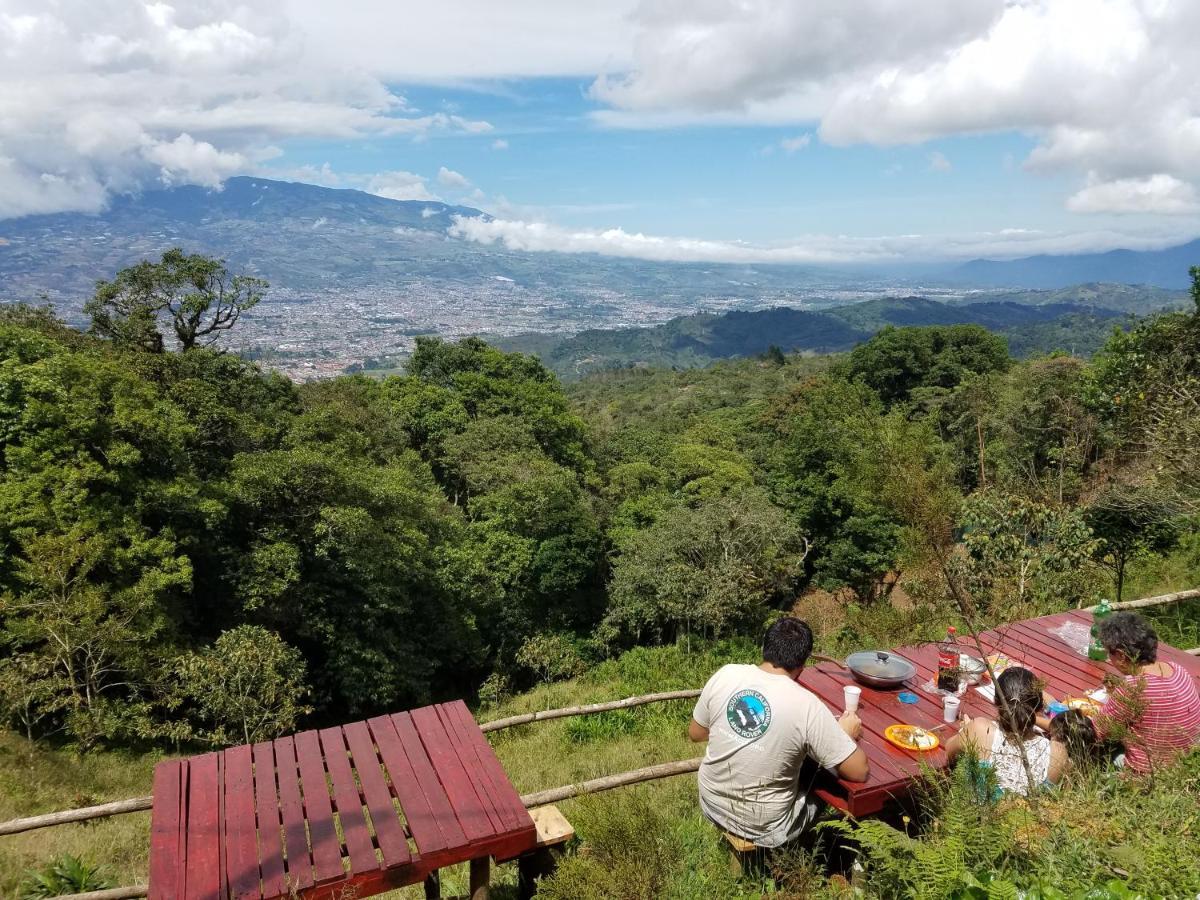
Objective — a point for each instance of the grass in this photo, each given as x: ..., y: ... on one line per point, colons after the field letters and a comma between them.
x: 39, y: 780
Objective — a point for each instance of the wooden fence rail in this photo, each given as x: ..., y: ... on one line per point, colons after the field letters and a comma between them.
x: 588, y: 709
x: 1160, y: 600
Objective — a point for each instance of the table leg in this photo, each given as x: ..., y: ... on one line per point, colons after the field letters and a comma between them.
x: 433, y: 885
x: 481, y: 872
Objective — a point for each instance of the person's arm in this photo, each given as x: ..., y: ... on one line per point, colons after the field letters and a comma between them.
x: 971, y: 735
x: 854, y: 767
x: 832, y: 743
x: 701, y: 716
x: 1060, y: 762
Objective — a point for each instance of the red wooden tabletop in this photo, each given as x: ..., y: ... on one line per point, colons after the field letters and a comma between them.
x: 1033, y: 643
x: 348, y: 811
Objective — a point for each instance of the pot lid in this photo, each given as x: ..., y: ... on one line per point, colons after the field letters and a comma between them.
x: 880, y: 664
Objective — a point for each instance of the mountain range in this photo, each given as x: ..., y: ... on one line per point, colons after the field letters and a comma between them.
x: 698, y: 340
x: 1167, y: 268
x: 356, y: 276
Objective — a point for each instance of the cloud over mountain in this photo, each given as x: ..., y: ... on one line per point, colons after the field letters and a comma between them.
x: 98, y: 96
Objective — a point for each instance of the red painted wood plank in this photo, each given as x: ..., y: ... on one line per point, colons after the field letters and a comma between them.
x: 167, y: 859
x: 1027, y: 652
x: 326, y: 849
x: 480, y: 778
x: 427, y: 809
x: 270, y: 835
x: 468, y: 808
x: 291, y: 808
x: 203, y: 867
x: 1050, y: 658
x: 240, y: 826
x: 504, y: 796
x: 389, y: 833
x: 348, y: 802
x: 890, y: 766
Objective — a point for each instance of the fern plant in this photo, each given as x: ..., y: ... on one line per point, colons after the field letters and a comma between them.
x: 66, y: 875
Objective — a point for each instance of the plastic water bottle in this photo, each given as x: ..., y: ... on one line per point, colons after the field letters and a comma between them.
x: 1096, y: 650
x: 948, y: 662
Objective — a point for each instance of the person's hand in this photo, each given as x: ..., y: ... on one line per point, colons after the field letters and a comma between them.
x: 851, y: 724
x: 963, y: 721
x: 1047, y: 699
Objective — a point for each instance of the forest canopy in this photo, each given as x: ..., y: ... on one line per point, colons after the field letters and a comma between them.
x: 182, y: 533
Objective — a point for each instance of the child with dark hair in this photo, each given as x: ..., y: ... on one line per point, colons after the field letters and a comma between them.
x: 1002, y: 744
x: 1076, y: 732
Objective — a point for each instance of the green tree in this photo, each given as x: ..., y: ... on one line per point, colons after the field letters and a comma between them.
x: 196, y: 293
x: 705, y: 569
x: 248, y: 686
x: 1130, y: 523
x: 1026, y: 554
x: 921, y: 363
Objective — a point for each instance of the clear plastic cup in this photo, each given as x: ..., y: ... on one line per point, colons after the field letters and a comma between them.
x: 950, y: 705
x: 850, y: 694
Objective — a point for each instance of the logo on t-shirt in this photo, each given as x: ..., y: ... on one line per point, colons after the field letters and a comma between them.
x: 749, y: 714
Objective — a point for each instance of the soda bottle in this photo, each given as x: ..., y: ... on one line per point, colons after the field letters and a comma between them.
x: 948, y: 662
x: 1096, y: 650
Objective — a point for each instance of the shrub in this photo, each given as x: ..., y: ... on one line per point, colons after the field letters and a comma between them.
x: 66, y: 875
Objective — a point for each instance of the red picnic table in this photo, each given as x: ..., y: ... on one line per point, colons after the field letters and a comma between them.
x: 1040, y: 645
x: 347, y: 811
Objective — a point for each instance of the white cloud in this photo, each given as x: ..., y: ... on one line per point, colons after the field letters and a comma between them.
x: 792, y: 144
x: 1157, y: 194
x: 938, y: 162
x: 399, y: 185
x: 451, y: 179
x: 499, y: 144
x: 535, y: 236
x: 1106, y: 87
x: 187, y: 160
x: 99, y: 96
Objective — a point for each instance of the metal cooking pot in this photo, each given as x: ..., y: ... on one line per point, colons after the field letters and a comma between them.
x: 879, y: 669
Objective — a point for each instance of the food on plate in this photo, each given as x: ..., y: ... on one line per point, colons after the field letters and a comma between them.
x: 911, y: 737
x: 1085, y: 705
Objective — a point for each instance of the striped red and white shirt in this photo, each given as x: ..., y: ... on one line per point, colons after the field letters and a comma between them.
x: 1155, y: 716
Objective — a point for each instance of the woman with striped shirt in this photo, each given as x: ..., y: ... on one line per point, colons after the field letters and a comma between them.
x: 1155, y: 712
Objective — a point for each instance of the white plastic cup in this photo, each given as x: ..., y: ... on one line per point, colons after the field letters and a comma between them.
x: 950, y: 705
x: 850, y: 694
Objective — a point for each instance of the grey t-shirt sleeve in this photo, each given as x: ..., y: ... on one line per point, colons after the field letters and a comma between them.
x: 703, y: 710
x: 827, y: 743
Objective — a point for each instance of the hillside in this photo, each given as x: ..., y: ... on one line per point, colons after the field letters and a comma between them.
x: 702, y: 339
x: 1165, y: 268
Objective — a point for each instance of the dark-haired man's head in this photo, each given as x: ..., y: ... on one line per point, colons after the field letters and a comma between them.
x: 787, y: 644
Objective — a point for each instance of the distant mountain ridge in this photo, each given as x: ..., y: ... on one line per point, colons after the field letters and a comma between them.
x: 1167, y: 268
x: 702, y: 339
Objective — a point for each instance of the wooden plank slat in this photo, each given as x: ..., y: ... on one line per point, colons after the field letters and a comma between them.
x: 268, y: 823
x: 348, y: 802
x: 291, y: 808
x: 504, y: 796
x: 389, y: 833
x: 326, y: 849
x: 240, y: 826
x: 467, y: 758
x: 203, y: 867
x: 167, y: 854
x: 468, y: 808
x: 426, y: 807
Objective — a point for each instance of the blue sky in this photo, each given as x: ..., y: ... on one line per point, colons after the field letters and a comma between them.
x: 723, y: 182
x: 835, y: 130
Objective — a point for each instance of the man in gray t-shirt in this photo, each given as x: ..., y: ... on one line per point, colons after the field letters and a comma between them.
x: 761, y: 726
